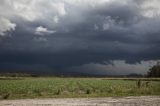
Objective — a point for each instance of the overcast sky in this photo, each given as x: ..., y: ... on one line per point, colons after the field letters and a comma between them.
x: 98, y: 37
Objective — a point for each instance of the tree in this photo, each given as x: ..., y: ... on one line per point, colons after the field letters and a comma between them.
x: 154, y: 71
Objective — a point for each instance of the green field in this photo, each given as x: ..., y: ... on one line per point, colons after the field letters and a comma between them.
x: 19, y: 88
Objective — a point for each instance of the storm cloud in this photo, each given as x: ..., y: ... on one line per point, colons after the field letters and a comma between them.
x: 79, y: 36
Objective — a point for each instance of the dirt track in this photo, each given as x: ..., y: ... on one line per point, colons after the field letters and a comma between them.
x: 124, y: 101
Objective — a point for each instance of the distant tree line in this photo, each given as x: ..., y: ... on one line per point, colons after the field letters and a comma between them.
x: 17, y: 75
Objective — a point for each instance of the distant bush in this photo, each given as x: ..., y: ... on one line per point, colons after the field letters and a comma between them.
x: 154, y: 71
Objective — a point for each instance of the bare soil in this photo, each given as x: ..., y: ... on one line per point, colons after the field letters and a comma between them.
x: 109, y: 101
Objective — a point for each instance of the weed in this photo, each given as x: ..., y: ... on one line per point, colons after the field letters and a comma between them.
x: 139, y: 83
x: 6, y: 96
x: 58, y: 92
x: 38, y: 92
x: 88, y: 91
x: 147, y: 83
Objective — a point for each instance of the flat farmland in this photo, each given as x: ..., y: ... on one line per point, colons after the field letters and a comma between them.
x: 25, y: 88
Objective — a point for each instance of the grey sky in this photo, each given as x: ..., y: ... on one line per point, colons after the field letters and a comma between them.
x: 61, y: 35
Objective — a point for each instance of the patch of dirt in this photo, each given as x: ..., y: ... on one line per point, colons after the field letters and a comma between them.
x: 110, y: 101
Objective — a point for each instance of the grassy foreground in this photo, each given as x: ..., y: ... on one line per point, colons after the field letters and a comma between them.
x: 75, y: 87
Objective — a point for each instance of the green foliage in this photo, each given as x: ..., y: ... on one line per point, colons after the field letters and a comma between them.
x: 154, y: 71
x: 75, y: 87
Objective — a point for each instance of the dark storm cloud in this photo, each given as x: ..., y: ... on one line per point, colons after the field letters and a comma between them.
x: 79, y: 35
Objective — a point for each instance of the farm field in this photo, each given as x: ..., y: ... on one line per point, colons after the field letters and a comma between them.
x: 22, y: 88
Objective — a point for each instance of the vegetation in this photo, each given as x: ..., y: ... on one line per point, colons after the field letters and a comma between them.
x: 76, y: 87
x: 154, y: 71
x: 17, y: 75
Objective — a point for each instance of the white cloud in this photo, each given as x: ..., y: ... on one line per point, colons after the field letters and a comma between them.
x: 88, y: 2
x: 25, y: 10
x: 32, y: 10
x: 35, y: 9
x: 43, y: 31
x: 60, y: 8
x: 56, y: 19
x: 151, y: 8
x: 5, y: 26
x: 116, y: 67
x: 109, y: 23
x: 64, y: 14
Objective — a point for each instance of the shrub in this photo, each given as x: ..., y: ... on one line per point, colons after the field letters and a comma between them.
x: 88, y: 91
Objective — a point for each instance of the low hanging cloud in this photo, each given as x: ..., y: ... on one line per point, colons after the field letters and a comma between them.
x: 6, y: 26
x: 43, y: 31
x: 115, y: 67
